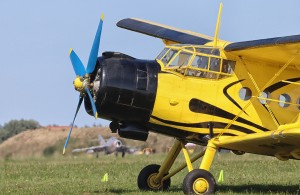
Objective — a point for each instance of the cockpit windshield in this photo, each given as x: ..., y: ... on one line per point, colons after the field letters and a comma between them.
x: 196, y: 61
x: 168, y: 56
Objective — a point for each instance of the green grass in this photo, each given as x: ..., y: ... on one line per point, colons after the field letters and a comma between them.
x: 247, y: 174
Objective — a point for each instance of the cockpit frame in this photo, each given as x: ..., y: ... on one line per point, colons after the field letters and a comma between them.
x: 196, y: 61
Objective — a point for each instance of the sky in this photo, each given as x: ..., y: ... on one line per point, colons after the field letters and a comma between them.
x: 35, y: 38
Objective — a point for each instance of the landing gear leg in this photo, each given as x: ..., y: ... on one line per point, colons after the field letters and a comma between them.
x: 201, y: 181
x: 152, y: 176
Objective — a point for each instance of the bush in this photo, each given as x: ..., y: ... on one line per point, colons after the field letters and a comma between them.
x: 15, y: 127
x: 49, y: 151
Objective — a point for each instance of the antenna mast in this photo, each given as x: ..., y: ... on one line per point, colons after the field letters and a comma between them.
x: 218, y: 26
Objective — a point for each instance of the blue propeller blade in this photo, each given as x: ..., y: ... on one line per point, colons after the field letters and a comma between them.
x: 92, y: 102
x: 95, y: 48
x: 77, y: 64
x: 70, y: 131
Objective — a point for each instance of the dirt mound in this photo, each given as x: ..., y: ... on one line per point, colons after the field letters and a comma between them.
x: 50, y: 141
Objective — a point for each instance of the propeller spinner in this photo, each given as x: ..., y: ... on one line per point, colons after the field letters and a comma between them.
x: 82, y: 81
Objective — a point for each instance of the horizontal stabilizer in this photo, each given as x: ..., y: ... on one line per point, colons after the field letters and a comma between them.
x: 163, y: 32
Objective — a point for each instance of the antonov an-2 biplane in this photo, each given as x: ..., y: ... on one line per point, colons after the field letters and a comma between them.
x: 241, y: 96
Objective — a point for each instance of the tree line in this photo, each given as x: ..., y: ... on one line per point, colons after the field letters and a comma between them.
x: 15, y: 127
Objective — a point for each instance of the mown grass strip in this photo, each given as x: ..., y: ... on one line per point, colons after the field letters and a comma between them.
x: 247, y: 174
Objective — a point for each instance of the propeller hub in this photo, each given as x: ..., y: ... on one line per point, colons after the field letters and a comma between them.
x: 79, y: 84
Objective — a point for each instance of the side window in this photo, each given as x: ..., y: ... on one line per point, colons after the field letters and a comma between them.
x: 168, y: 56
x: 214, y: 64
x: 285, y: 100
x: 264, y: 96
x: 200, y: 62
x: 245, y: 93
x: 228, y: 66
x: 182, y: 59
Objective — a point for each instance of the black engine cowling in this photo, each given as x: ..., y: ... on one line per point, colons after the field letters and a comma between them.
x: 125, y: 88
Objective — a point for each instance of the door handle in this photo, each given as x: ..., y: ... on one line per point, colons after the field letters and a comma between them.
x: 173, y: 102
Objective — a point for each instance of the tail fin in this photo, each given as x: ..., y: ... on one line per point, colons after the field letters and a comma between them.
x: 101, y: 140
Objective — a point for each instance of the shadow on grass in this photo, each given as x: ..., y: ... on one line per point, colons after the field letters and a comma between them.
x: 242, y: 189
x: 260, y: 188
x: 134, y: 191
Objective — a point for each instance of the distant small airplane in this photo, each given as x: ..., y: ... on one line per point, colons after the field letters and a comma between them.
x: 112, y: 145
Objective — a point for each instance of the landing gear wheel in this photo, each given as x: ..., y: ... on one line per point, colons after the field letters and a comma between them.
x: 199, y: 181
x: 146, y: 180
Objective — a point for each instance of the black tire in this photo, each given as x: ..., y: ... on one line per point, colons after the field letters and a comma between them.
x: 146, y: 184
x: 199, y: 181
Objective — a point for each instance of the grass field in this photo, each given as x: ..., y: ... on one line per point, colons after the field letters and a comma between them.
x: 247, y: 174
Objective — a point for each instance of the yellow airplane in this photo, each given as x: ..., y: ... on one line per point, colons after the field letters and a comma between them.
x: 241, y: 96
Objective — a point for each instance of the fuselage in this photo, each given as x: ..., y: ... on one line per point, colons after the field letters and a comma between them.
x: 188, y: 89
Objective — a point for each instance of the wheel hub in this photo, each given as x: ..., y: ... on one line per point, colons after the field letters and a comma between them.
x: 200, y: 186
x: 152, y: 183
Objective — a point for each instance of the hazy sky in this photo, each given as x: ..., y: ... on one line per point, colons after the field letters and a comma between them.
x: 35, y: 37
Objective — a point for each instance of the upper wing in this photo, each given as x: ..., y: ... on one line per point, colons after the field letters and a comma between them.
x: 164, y: 32
x: 274, y: 50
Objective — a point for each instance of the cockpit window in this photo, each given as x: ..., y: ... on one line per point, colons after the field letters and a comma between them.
x: 214, y: 64
x: 209, y: 51
x: 196, y: 61
x: 228, y: 66
x: 182, y: 59
x: 162, y: 53
x: 200, y: 62
x: 168, y: 56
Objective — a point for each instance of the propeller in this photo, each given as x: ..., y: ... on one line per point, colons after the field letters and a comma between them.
x: 70, y: 131
x: 82, y: 81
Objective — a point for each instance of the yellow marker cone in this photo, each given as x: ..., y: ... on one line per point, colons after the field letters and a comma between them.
x: 221, y: 176
x: 105, y: 178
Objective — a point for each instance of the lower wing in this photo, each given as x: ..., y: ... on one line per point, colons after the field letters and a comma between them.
x: 282, y: 143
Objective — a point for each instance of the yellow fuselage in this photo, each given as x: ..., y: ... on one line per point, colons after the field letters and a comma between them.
x: 233, y: 102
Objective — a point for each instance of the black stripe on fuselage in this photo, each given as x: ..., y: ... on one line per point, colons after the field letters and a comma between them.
x: 280, y: 84
x: 219, y: 125
x: 202, y: 107
x: 229, y: 97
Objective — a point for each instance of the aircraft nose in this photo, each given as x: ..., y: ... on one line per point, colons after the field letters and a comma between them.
x: 124, y: 87
x: 118, y: 143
